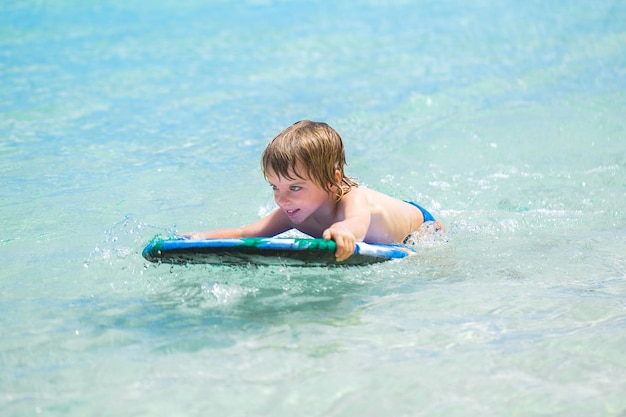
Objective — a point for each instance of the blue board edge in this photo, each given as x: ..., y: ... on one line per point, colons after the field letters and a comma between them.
x: 158, y: 249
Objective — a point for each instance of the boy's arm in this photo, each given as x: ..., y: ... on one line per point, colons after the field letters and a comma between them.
x: 275, y: 223
x: 233, y: 232
x: 354, y: 211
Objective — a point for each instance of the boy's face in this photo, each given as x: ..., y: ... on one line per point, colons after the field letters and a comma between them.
x: 299, y: 198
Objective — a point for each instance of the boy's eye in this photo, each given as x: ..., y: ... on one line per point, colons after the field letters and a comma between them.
x: 295, y: 188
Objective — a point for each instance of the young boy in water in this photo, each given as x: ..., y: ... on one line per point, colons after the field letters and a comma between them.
x: 304, y: 166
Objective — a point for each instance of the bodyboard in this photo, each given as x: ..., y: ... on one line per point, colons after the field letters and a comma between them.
x: 267, y: 251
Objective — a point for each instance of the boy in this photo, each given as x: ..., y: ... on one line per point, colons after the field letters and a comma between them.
x: 304, y: 166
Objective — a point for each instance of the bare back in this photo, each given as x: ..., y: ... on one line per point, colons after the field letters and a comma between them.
x: 392, y: 219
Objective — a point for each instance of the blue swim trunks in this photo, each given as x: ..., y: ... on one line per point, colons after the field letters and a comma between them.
x: 427, y: 216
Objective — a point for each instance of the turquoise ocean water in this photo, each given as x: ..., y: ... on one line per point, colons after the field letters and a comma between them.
x: 120, y: 120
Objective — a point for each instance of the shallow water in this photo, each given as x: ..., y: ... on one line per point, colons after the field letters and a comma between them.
x: 119, y: 121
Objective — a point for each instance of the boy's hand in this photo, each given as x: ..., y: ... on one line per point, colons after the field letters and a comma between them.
x: 345, y: 240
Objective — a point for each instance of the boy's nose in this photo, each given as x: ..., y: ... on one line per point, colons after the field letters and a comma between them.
x: 280, y: 199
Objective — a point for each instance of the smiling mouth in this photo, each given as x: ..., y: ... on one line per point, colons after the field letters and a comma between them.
x: 292, y: 212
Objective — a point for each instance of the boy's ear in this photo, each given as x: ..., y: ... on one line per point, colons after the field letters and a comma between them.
x: 338, y: 176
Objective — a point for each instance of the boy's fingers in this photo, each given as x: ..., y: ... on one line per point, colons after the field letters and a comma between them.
x: 345, y: 243
x: 344, y: 249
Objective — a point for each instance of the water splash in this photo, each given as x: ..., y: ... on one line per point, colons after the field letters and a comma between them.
x: 125, y: 238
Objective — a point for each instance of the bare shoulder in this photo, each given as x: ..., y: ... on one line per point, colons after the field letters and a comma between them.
x: 381, y: 202
x: 357, y: 195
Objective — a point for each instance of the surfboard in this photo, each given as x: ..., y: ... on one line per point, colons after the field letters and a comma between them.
x: 267, y: 251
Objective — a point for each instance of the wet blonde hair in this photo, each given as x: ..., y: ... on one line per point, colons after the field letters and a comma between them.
x: 316, y: 148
